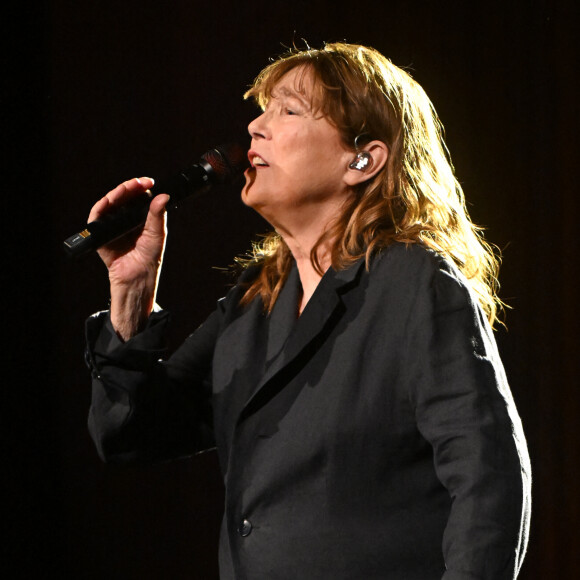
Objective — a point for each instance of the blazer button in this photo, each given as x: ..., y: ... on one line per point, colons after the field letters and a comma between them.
x: 245, y: 528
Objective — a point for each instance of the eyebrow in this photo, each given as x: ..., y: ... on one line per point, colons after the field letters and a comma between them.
x: 286, y: 92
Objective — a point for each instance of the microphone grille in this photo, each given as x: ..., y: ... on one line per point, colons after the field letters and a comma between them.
x: 227, y: 161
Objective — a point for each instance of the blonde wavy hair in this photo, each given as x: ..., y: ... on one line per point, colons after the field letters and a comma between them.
x: 415, y: 198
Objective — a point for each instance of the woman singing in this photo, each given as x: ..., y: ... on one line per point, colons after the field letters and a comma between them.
x: 350, y: 381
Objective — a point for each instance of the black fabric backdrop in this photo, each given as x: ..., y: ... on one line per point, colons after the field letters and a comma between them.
x: 96, y: 92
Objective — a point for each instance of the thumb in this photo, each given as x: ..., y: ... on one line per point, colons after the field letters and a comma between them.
x: 156, y: 222
x: 158, y: 204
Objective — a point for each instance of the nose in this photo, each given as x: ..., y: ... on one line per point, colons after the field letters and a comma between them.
x: 258, y: 128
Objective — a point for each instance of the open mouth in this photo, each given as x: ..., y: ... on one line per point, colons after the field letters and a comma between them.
x: 259, y: 162
x: 256, y: 160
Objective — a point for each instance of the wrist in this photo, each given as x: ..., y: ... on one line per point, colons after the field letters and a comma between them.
x: 130, y: 307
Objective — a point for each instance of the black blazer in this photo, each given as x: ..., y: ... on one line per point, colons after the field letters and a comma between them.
x: 374, y: 437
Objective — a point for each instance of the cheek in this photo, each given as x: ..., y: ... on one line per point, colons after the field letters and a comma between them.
x: 325, y: 152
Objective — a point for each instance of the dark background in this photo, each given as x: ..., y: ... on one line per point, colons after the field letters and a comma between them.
x: 96, y: 92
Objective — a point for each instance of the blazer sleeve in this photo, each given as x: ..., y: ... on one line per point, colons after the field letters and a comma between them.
x: 464, y: 408
x: 144, y: 408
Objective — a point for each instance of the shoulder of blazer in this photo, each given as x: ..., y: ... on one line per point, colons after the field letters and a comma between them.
x: 415, y: 260
x: 422, y: 279
x: 407, y: 264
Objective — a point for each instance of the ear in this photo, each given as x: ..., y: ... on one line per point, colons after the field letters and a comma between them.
x: 379, y: 153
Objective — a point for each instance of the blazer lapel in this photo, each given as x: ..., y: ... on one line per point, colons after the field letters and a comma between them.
x: 283, y: 317
x: 289, y: 337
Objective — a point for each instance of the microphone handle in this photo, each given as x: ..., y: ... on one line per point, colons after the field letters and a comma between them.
x: 128, y: 217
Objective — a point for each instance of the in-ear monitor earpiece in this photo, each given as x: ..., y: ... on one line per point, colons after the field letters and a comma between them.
x: 362, y: 161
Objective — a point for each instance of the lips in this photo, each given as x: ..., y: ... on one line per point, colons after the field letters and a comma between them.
x: 256, y: 160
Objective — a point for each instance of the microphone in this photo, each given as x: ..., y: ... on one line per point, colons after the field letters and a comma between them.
x: 219, y: 165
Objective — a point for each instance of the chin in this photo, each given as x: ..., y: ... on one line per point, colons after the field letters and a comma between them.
x: 250, y: 175
x: 249, y: 197
x: 253, y: 196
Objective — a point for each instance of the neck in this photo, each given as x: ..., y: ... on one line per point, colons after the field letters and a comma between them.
x: 301, y: 233
x: 309, y: 277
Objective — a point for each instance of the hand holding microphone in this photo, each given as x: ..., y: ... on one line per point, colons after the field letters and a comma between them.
x: 129, y: 256
x: 133, y: 259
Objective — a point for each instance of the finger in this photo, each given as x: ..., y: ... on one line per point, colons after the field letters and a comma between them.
x: 98, y: 209
x: 129, y: 189
x: 121, y: 194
